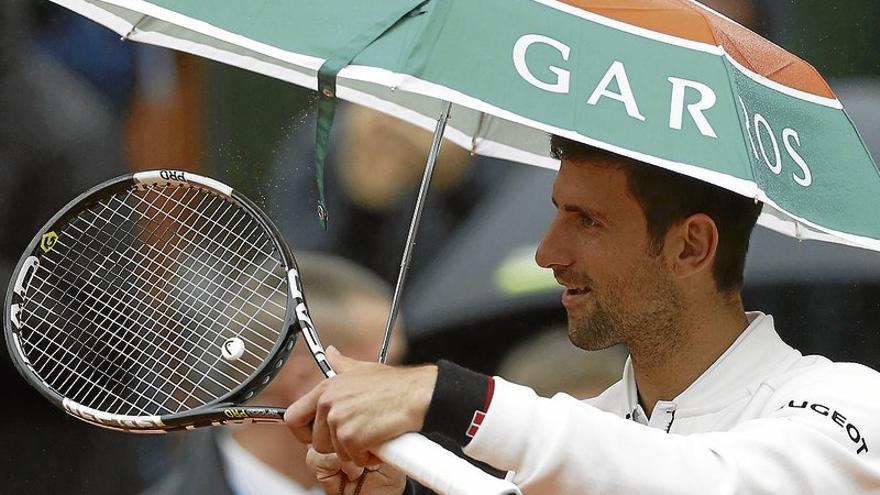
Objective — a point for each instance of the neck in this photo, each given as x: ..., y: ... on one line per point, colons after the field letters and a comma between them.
x: 276, y: 446
x: 665, y: 363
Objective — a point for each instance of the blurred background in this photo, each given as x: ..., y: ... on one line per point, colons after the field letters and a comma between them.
x: 77, y: 106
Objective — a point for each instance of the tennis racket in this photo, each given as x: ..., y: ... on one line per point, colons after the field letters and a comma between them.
x: 162, y: 301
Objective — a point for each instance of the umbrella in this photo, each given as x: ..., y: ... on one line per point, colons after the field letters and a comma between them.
x: 668, y: 82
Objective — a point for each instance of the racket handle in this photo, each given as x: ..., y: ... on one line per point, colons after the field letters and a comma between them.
x: 440, y: 469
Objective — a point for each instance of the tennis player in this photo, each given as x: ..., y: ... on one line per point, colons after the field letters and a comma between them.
x: 712, y: 401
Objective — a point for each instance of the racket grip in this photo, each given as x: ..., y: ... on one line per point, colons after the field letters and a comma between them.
x: 439, y: 469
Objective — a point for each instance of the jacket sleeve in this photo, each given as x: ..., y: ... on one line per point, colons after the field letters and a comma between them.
x: 564, y: 446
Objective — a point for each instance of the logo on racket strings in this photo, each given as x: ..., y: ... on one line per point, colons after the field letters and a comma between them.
x: 233, y: 349
x: 47, y: 242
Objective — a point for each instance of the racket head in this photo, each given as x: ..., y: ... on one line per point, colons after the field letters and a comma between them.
x: 133, y: 305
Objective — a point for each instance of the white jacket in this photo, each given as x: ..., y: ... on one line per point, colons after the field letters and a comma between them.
x: 763, y: 419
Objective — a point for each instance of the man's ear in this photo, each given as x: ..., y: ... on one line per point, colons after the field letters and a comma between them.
x: 691, y: 245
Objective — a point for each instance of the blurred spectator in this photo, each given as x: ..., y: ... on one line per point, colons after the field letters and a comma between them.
x: 549, y: 364
x: 349, y: 305
x: 372, y: 176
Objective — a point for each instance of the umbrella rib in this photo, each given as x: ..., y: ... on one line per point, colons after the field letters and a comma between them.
x: 480, y: 122
x: 134, y: 27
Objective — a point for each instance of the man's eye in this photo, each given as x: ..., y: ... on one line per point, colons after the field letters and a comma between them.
x: 588, y: 221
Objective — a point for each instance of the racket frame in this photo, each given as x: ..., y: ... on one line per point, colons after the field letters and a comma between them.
x: 223, y: 410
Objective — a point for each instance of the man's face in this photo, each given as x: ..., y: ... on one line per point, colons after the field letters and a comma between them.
x: 617, y: 290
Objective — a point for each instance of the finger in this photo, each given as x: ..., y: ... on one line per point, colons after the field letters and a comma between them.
x: 299, y: 416
x: 349, y: 442
x: 386, y: 471
x: 325, y: 466
x: 330, y: 471
x: 341, y: 449
x: 327, y: 470
x: 324, y: 438
x: 321, y: 440
x: 339, y: 362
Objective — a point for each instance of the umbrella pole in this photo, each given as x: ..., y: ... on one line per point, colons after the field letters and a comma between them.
x: 414, y: 227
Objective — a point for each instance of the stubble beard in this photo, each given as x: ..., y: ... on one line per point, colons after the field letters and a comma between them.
x: 643, y: 312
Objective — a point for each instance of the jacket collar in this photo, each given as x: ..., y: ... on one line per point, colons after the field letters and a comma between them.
x: 755, y: 355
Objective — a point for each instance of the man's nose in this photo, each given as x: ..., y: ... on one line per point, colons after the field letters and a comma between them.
x: 552, y: 251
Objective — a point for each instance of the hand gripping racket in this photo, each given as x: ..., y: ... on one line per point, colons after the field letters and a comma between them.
x: 163, y: 301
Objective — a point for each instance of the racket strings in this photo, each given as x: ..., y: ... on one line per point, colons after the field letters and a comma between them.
x: 249, y: 311
x: 97, y: 352
x: 148, y: 295
x: 80, y: 332
x: 156, y: 252
x: 138, y: 295
x: 82, y: 339
x: 93, y: 337
x: 232, y: 282
x: 213, y: 221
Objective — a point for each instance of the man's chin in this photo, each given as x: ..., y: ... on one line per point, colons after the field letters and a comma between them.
x: 592, y: 345
x: 590, y: 337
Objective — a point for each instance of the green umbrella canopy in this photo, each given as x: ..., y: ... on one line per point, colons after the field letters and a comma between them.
x: 668, y: 82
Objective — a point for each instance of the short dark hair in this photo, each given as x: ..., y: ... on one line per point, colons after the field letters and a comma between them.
x: 667, y: 197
